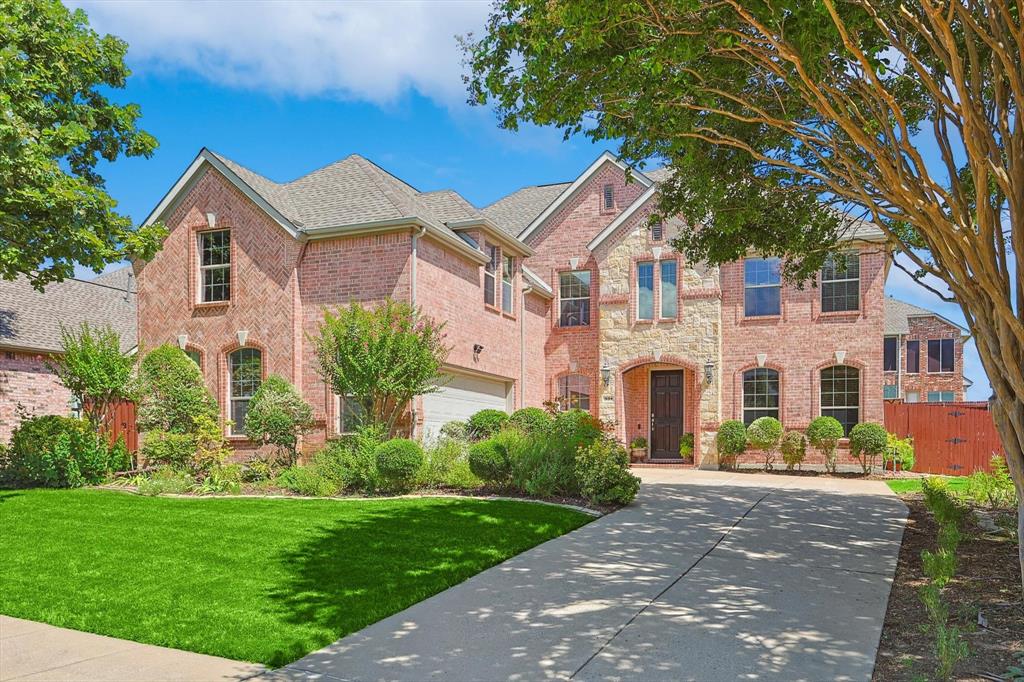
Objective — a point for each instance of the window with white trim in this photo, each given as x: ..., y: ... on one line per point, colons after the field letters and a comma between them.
x: 245, y: 374
x: 890, y: 392
x: 348, y: 414
x: 840, y: 283
x: 215, y: 266
x: 840, y: 395
x: 762, y: 287
x: 574, y: 392
x: 669, y: 289
x: 608, y: 197
x: 574, y: 298
x: 645, y: 291
x: 760, y: 394
x: 507, y: 270
x: 490, y: 274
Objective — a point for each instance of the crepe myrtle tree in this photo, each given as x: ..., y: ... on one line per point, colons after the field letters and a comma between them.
x: 380, y: 357
x: 779, y: 119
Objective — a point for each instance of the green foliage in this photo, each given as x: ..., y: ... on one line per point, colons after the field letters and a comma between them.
x: 351, y: 461
x: 383, y: 357
x: 542, y: 466
x: 172, y: 394
x: 489, y: 460
x: 486, y: 423
x: 279, y: 416
x: 996, y: 489
x: 306, y: 481
x: 58, y: 124
x: 531, y: 420
x: 223, y: 478
x: 576, y: 428
x: 638, y: 443
x: 446, y: 465
x: 93, y: 368
x: 824, y: 433
x: 939, y: 566
x: 398, y: 462
x: 950, y: 649
x: 941, y: 502
x: 899, y: 450
x: 174, y: 450
x: 55, y: 451
x: 765, y: 434
x: 258, y: 470
x: 686, y: 447
x: 794, y: 449
x: 458, y: 430
x: 165, y: 480
x: 868, y: 441
x: 731, y: 442
x: 603, y: 472
x: 120, y: 459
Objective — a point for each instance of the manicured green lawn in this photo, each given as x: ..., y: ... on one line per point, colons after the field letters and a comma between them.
x: 256, y: 580
x: 902, y: 486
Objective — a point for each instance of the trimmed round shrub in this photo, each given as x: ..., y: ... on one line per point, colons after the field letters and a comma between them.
x: 824, y: 433
x: 731, y: 442
x: 486, y: 423
x: 56, y: 451
x: 398, y: 462
x: 489, y: 460
x: 868, y: 441
x: 279, y: 416
x: 603, y: 471
x: 794, y: 449
x: 531, y: 420
x: 172, y: 392
x: 765, y: 434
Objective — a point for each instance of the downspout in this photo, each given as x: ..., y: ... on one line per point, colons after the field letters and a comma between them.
x: 899, y: 366
x: 521, y: 393
x: 415, y: 245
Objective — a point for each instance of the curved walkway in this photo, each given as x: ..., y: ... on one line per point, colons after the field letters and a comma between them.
x: 708, y: 576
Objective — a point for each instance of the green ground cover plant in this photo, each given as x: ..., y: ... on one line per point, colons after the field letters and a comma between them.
x: 250, y: 579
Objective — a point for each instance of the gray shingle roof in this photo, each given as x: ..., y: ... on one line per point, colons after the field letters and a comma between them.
x: 32, y: 320
x: 898, y: 314
x: 516, y: 211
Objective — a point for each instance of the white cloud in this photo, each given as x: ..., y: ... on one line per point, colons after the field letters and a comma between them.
x: 373, y: 51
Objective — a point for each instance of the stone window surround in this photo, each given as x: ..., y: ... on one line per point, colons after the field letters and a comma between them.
x: 634, y: 290
x: 224, y: 222
x: 224, y: 383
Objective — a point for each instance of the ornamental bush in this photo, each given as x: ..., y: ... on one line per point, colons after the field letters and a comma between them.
x: 794, y: 449
x: 603, y: 472
x: 58, y: 452
x: 899, y: 450
x: 489, y: 460
x: 576, y: 428
x: 731, y: 442
x: 171, y: 392
x: 279, y: 416
x: 765, y: 434
x: 686, y: 447
x: 542, y: 465
x: 531, y: 420
x: 166, y: 448
x: 867, y: 441
x: 307, y: 481
x: 446, y: 465
x: 350, y: 462
x: 824, y: 433
x: 486, y: 423
x: 398, y: 462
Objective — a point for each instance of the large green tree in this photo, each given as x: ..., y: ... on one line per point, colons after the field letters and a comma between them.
x: 56, y: 123
x: 774, y: 115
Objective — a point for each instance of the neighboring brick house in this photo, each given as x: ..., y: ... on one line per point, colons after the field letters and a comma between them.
x: 30, y: 331
x: 923, y: 355
x: 556, y: 292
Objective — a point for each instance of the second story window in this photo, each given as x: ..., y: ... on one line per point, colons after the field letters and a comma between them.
x: 645, y: 291
x: 489, y: 274
x: 507, y: 270
x: 762, y: 287
x: 574, y: 298
x: 889, y: 360
x: 940, y: 355
x: 608, y: 198
x: 840, y: 283
x: 669, y: 290
x: 215, y: 266
x: 913, y: 357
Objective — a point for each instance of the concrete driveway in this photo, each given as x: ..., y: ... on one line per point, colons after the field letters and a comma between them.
x: 708, y: 576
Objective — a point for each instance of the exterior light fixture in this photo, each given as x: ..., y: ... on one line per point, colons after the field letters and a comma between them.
x: 606, y: 373
x: 477, y: 349
x: 709, y: 372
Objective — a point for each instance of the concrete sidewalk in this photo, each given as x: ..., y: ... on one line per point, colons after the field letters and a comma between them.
x: 35, y: 651
x: 708, y: 576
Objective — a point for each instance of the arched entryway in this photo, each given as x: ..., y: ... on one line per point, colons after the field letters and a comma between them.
x: 659, y: 401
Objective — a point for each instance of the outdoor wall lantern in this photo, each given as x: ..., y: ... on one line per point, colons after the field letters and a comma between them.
x: 477, y: 350
x: 709, y: 372
x: 606, y: 373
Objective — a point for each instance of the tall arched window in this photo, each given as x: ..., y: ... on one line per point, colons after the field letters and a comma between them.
x: 245, y: 371
x: 840, y: 395
x: 574, y: 392
x: 760, y: 394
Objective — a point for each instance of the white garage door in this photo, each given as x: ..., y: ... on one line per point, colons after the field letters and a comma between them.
x: 459, y: 399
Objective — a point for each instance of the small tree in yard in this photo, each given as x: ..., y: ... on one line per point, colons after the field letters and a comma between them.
x: 172, y: 395
x: 765, y: 434
x: 824, y: 433
x: 279, y: 416
x: 868, y: 441
x: 731, y: 442
x: 380, y: 357
x: 93, y: 368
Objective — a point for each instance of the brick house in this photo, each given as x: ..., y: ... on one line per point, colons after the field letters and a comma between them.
x: 923, y: 355
x: 557, y: 292
x: 30, y: 331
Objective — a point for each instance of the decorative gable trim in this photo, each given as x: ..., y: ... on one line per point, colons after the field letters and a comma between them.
x: 621, y: 219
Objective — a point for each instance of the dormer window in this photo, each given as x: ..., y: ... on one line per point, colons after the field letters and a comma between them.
x: 609, y: 197
x: 215, y: 266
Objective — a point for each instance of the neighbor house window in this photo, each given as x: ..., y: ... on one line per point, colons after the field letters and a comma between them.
x: 195, y: 357
x: 215, y: 266
x: 489, y: 274
x: 913, y: 357
x: 608, y: 197
x: 348, y: 414
x: 574, y: 298
x: 574, y: 392
x: 645, y: 291
x: 840, y: 283
x: 940, y: 355
x: 913, y: 397
x: 669, y: 290
x: 657, y: 232
x: 890, y: 392
x: 940, y: 396
x: 245, y: 368
x: 760, y: 394
x: 762, y: 286
x: 508, y: 265
x: 840, y: 395
x: 890, y: 345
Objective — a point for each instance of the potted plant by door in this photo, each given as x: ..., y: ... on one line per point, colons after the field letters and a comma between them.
x: 638, y: 449
x: 686, y: 448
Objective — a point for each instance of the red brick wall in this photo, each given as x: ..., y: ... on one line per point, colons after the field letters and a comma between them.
x: 537, y: 324
x: 922, y: 329
x: 26, y: 385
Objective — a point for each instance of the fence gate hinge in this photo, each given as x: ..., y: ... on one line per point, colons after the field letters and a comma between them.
x: 956, y: 441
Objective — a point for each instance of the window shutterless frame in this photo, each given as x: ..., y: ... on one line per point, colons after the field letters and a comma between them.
x: 574, y: 298
x: 507, y: 270
x: 645, y: 290
x: 214, y: 266
x: 760, y: 394
x: 840, y: 283
x: 574, y: 392
x: 348, y: 415
x: 669, y: 274
x: 913, y: 357
x: 840, y: 395
x: 490, y: 272
x: 762, y: 287
x: 245, y: 374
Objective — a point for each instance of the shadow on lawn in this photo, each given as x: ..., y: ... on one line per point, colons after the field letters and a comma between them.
x: 366, y: 567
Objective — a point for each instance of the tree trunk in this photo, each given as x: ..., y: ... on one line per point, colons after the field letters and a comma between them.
x: 1008, y: 411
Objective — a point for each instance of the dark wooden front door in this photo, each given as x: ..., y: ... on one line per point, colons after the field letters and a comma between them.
x: 666, y: 414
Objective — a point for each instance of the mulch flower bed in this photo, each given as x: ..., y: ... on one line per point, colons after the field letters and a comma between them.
x: 987, y: 583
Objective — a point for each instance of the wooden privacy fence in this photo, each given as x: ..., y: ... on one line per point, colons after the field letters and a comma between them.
x: 120, y: 421
x: 955, y: 439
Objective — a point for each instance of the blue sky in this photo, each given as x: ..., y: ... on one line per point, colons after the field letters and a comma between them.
x: 285, y: 88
